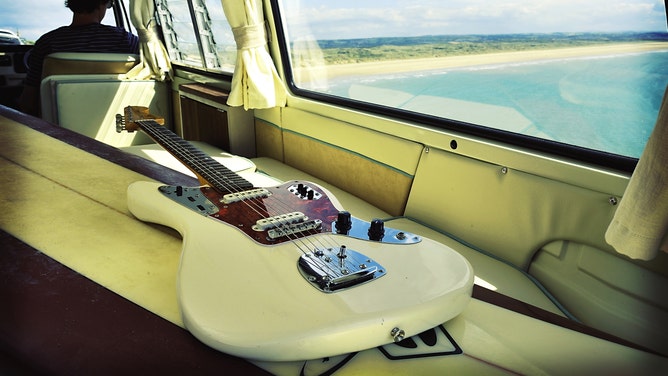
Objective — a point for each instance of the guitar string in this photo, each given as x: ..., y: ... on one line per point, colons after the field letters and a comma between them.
x: 169, y: 138
x: 209, y: 166
x: 253, y: 203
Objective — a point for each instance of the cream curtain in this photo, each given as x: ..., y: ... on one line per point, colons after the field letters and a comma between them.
x: 255, y: 83
x: 155, y: 62
x: 639, y: 227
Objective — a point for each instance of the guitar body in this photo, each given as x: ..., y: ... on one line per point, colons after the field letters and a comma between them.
x: 282, y: 273
x: 244, y: 291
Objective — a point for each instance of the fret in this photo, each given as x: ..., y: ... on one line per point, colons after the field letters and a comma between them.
x: 215, y: 174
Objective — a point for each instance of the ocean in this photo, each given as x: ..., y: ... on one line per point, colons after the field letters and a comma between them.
x: 607, y: 103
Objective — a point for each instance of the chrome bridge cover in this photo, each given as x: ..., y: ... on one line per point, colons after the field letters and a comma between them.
x: 332, y: 269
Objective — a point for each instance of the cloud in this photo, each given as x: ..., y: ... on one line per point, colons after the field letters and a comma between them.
x: 344, y: 19
x: 350, y: 19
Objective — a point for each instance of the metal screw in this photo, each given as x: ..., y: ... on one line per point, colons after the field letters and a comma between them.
x: 612, y: 200
x: 398, y: 334
x: 504, y: 170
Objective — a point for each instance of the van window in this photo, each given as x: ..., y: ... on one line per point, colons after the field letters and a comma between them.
x: 584, y: 74
x: 197, y: 34
x: 30, y: 19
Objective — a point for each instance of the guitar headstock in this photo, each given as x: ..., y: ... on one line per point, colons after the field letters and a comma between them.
x: 133, y: 114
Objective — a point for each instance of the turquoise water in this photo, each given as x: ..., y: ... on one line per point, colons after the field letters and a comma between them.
x: 607, y: 103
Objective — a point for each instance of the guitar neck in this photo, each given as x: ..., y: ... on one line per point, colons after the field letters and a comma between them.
x: 206, y: 168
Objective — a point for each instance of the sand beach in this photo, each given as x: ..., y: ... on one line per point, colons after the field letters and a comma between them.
x: 416, y: 65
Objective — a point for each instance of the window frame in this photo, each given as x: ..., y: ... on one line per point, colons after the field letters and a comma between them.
x: 558, y: 149
x: 121, y: 16
x: 202, y: 46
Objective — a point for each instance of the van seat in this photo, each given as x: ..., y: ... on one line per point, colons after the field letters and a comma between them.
x: 88, y: 63
x: 84, y: 91
x: 88, y: 104
x: 490, y: 273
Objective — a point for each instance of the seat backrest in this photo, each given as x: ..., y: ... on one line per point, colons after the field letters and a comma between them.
x: 61, y: 63
x: 84, y: 91
x: 88, y: 104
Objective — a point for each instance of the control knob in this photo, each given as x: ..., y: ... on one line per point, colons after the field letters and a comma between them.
x: 376, y: 230
x: 343, y: 223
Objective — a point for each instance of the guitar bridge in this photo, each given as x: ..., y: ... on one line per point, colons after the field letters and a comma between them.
x: 331, y: 269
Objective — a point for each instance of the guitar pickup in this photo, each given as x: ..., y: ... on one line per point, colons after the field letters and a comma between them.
x: 245, y: 195
x: 294, y: 228
x: 279, y: 220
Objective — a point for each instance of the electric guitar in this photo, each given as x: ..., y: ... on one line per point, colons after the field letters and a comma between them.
x: 283, y: 273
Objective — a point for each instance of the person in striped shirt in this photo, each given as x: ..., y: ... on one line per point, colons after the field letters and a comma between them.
x: 84, y: 34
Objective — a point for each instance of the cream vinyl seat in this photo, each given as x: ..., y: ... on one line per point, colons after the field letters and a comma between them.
x: 84, y: 92
x: 88, y: 63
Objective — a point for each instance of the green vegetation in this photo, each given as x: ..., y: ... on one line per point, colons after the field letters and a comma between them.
x: 379, y: 49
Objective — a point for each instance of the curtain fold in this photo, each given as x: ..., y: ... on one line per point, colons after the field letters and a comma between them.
x: 155, y: 63
x: 639, y: 227
x: 255, y: 83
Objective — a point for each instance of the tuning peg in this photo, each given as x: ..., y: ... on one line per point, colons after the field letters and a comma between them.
x: 120, y: 124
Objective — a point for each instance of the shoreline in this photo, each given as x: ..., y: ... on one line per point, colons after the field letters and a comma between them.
x: 437, y: 63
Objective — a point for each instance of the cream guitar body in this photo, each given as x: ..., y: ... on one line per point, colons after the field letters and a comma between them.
x: 250, y: 299
x: 283, y: 273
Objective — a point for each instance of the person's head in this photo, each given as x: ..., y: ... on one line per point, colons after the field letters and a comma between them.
x: 87, y: 6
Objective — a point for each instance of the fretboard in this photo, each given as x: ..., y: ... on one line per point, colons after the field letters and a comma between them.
x: 215, y: 174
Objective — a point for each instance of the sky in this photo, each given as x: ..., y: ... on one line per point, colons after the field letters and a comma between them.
x: 438, y: 17
x: 373, y: 18
x: 32, y: 18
